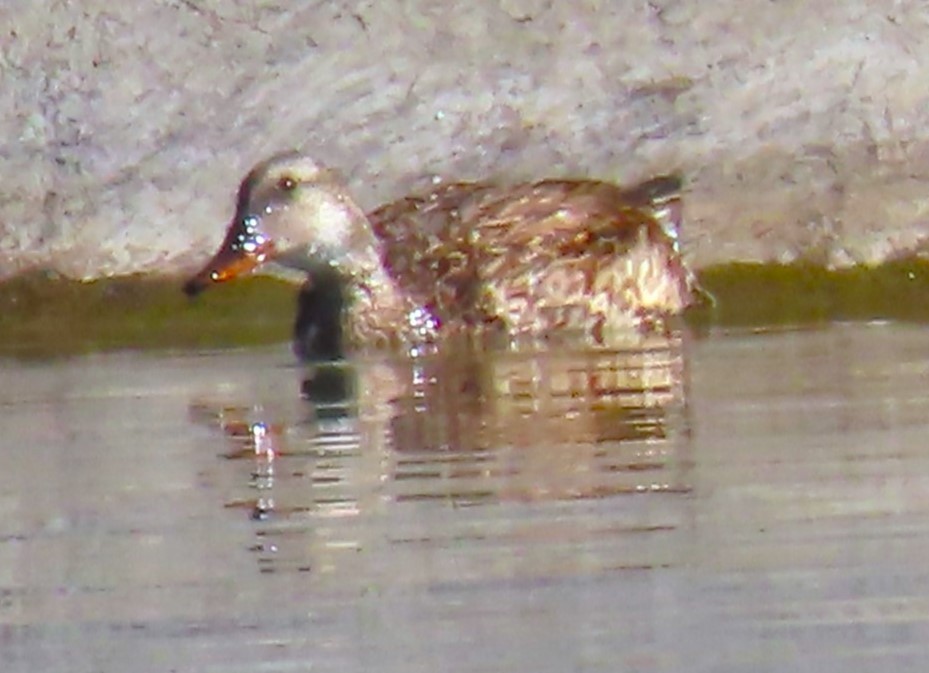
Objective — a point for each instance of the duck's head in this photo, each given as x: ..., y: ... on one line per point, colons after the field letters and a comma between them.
x: 292, y: 211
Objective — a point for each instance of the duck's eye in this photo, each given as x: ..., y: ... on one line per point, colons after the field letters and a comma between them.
x: 286, y: 184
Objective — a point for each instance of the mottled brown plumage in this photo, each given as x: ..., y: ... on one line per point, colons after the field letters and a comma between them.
x: 530, y: 259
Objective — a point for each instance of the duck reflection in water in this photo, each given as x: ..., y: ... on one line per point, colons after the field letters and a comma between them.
x: 473, y: 424
x: 479, y: 423
x: 381, y: 445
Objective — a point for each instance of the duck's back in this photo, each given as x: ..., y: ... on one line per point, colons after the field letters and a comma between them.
x: 539, y: 257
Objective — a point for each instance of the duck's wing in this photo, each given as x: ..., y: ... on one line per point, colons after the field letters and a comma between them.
x: 477, y: 253
x: 429, y: 249
x: 580, y: 254
x: 564, y: 209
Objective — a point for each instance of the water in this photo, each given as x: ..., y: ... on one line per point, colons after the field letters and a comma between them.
x: 739, y: 501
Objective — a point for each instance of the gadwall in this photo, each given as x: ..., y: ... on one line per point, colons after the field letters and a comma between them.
x: 528, y: 260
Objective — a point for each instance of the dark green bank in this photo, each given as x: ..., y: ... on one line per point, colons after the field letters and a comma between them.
x: 42, y: 315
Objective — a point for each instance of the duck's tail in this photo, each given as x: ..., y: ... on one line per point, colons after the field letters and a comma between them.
x: 661, y: 198
x: 657, y: 189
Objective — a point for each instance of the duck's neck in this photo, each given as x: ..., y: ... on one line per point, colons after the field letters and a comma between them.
x: 379, y: 310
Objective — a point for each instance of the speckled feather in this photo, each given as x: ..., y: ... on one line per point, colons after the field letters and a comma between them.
x: 534, y: 258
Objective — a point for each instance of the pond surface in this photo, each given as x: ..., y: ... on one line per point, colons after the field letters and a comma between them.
x: 739, y: 501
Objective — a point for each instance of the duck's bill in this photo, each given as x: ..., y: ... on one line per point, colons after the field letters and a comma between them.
x: 238, y: 255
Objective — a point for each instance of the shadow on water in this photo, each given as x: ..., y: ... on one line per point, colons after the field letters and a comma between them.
x: 391, y: 441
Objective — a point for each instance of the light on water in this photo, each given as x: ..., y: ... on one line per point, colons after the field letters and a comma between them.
x: 738, y: 501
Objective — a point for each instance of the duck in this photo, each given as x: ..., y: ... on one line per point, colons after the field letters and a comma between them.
x: 533, y: 259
